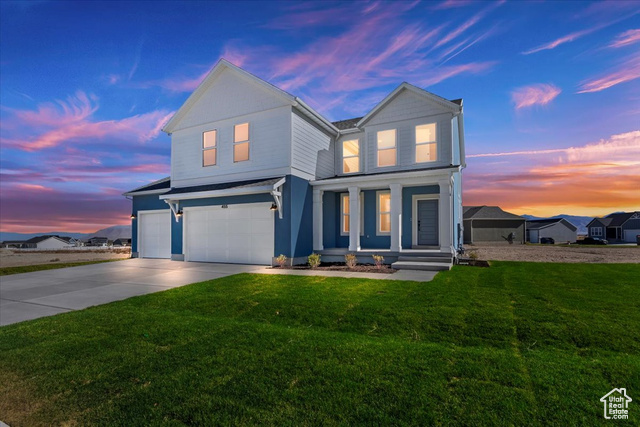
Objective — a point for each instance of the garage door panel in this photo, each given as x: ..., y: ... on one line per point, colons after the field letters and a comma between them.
x: 155, y: 234
x: 238, y: 234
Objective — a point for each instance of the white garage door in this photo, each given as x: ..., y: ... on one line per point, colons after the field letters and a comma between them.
x: 154, y: 234
x: 241, y: 234
x: 630, y: 235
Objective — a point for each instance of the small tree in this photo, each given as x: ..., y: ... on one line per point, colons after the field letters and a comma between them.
x: 313, y: 260
x: 351, y: 260
x: 281, y: 260
x: 378, y: 260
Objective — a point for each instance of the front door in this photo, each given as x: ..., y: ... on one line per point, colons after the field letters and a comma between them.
x: 428, y: 223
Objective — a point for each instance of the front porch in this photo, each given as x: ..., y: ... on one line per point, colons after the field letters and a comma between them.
x: 394, y: 215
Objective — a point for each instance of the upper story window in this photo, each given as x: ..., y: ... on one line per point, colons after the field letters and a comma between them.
x: 351, y: 156
x: 426, y: 144
x: 209, y: 147
x: 241, y: 142
x: 387, y: 148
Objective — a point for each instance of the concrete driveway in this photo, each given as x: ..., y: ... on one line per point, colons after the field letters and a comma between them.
x: 45, y: 293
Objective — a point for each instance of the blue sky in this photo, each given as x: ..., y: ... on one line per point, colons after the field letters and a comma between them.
x: 551, y: 92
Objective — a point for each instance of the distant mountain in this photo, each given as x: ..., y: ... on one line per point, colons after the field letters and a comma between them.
x: 579, y: 221
x: 112, y: 233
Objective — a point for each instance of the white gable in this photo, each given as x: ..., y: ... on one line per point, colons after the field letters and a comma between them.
x: 406, y: 105
x: 225, y: 93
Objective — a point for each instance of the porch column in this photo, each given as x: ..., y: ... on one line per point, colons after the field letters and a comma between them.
x: 396, y: 216
x: 317, y: 220
x: 445, y: 216
x: 354, y: 219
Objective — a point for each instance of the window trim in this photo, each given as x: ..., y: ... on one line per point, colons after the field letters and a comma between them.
x: 247, y: 141
x: 378, y: 213
x: 342, y: 214
x: 417, y: 144
x: 215, y: 147
x: 395, y: 147
x: 593, y: 231
x: 357, y: 140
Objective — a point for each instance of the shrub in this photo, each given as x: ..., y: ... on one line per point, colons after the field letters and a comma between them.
x: 313, y: 260
x: 473, y: 255
x: 351, y: 260
x: 281, y: 260
x: 378, y: 260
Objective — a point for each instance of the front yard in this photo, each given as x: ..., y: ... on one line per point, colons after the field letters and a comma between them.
x: 515, y: 344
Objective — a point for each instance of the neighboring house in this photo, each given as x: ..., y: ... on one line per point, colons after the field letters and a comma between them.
x: 492, y: 224
x: 14, y: 244
x: 616, y: 227
x: 45, y: 242
x: 70, y: 240
x: 559, y: 229
x: 256, y: 172
x: 97, y: 241
x: 122, y: 242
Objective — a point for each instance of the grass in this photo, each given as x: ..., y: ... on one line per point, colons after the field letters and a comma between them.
x: 515, y: 344
x: 5, y: 271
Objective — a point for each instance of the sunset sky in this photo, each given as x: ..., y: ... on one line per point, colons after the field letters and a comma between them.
x: 551, y: 92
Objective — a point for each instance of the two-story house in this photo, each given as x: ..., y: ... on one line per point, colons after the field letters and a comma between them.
x: 256, y: 172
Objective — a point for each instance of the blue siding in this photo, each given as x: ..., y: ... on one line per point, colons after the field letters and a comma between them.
x: 330, y: 227
x: 369, y: 240
x: 407, y: 210
x: 298, y: 195
x: 144, y: 203
x: 293, y: 233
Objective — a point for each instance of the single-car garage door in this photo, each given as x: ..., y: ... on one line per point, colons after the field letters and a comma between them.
x: 241, y: 234
x: 630, y: 235
x: 154, y: 234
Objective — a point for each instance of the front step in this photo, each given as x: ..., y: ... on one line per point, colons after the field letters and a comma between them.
x: 447, y: 258
x: 425, y: 266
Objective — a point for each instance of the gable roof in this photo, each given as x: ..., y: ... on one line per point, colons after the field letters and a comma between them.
x: 156, y: 187
x: 603, y: 221
x: 453, y: 106
x: 222, y: 65
x: 536, y: 224
x: 347, y: 123
x: 39, y: 239
x: 619, y: 218
x: 488, y: 212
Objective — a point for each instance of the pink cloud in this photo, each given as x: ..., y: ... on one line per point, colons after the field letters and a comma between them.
x: 627, y: 71
x: 538, y: 94
x: 626, y: 38
x: 450, y: 4
x: 562, y: 40
x: 72, y: 120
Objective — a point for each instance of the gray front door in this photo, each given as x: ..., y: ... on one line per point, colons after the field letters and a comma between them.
x: 427, y: 222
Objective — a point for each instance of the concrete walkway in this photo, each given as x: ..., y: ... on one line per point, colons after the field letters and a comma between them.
x: 45, y: 293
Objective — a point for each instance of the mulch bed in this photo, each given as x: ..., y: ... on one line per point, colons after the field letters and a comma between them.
x: 361, y: 268
x: 473, y: 262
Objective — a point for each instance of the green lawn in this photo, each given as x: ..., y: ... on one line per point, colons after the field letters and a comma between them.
x: 514, y: 344
x: 4, y: 271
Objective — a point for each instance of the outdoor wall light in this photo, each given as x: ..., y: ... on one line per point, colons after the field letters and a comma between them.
x: 179, y: 213
x: 133, y: 216
x: 273, y: 207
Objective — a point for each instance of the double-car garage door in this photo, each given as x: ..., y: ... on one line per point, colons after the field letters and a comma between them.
x: 242, y: 233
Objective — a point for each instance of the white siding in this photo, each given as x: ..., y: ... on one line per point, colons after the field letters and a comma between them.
x: 269, y: 149
x: 455, y: 140
x: 52, y: 243
x: 406, y: 105
x: 229, y: 95
x: 310, y: 151
x: 405, y: 143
